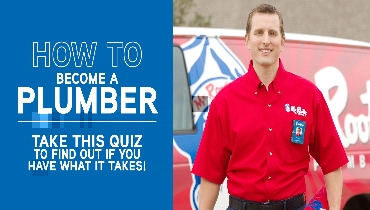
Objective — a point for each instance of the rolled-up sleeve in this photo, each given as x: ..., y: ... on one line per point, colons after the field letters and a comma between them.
x: 212, y: 158
x: 327, y: 148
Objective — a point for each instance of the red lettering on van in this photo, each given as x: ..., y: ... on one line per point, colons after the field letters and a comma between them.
x: 200, y: 102
x: 212, y: 89
x: 209, y: 88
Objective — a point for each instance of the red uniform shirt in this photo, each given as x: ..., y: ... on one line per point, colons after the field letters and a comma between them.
x: 248, y: 137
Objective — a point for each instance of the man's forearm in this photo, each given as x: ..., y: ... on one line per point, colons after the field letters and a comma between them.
x: 208, y: 194
x: 334, y: 185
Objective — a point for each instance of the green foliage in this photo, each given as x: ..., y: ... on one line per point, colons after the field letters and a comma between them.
x: 181, y: 9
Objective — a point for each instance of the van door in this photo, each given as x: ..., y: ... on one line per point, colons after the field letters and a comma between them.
x: 183, y: 130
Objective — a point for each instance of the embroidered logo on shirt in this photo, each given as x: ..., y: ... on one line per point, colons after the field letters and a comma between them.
x: 296, y: 110
x: 287, y: 107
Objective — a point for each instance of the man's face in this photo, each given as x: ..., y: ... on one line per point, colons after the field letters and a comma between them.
x: 265, y: 41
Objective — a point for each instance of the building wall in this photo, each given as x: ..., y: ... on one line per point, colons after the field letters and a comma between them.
x: 337, y: 18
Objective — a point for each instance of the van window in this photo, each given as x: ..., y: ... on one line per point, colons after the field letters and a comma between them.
x: 182, y: 109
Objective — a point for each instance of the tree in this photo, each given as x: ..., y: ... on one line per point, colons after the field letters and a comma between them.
x: 181, y: 9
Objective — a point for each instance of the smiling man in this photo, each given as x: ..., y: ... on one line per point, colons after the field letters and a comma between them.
x: 249, y: 136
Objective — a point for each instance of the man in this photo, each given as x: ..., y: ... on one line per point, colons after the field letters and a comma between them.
x: 250, y: 126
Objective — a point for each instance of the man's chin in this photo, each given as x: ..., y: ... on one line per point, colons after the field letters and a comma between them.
x: 265, y: 63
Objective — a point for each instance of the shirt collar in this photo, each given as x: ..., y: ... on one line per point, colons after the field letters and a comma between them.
x: 276, y: 84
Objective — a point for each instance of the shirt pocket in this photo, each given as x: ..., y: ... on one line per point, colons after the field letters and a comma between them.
x: 291, y: 152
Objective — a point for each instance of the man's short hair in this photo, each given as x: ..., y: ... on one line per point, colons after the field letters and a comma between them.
x: 265, y: 9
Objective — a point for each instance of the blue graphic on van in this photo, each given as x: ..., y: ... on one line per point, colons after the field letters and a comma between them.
x: 211, y: 66
x: 207, y: 51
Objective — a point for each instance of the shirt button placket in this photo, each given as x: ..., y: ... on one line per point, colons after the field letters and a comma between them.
x: 269, y: 149
x: 269, y: 106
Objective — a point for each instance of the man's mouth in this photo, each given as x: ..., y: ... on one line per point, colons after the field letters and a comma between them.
x: 265, y: 50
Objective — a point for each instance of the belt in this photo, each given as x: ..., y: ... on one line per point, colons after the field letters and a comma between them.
x: 289, y: 204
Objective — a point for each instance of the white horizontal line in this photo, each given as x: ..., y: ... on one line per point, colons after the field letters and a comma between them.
x: 196, y: 31
x: 86, y: 121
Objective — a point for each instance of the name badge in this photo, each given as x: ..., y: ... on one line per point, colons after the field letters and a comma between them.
x: 299, y: 128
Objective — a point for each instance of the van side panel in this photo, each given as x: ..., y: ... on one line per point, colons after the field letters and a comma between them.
x: 341, y: 72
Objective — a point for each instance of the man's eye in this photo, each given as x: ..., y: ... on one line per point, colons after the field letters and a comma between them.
x: 272, y: 33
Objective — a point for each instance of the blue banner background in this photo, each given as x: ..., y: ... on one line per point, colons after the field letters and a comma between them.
x: 147, y: 22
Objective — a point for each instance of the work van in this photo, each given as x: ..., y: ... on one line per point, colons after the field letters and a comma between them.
x: 206, y: 59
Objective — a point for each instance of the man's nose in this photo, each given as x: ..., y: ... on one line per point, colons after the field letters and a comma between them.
x: 266, y: 39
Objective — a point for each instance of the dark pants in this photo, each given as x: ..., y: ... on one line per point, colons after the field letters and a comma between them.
x: 293, y: 203
x: 229, y: 208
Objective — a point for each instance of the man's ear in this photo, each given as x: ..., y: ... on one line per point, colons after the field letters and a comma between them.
x: 282, y: 43
x: 246, y: 38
